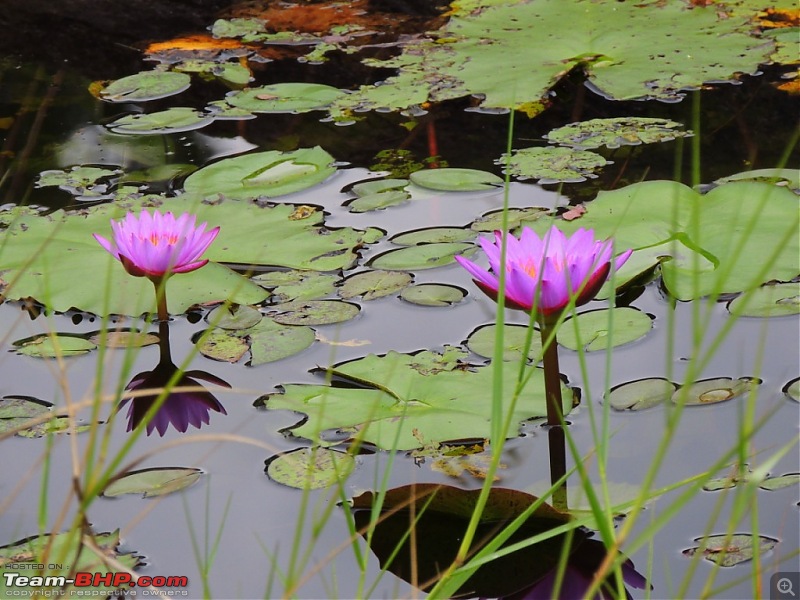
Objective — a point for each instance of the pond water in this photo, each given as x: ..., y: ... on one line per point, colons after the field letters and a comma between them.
x: 247, y: 533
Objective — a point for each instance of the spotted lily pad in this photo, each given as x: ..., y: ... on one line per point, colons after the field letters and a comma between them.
x: 553, y: 165
x: 157, y: 481
x: 397, y: 394
x: 234, y: 317
x: 314, y: 312
x: 374, y: 284
x: 433, y: 294
x: 284, y: 98
x: 456, y: 180
x: 604, y: 328
x: 616, y: 132
x: 58, y: 345
x: 172, y: 120
x: 262, y: 174
x: 641, y: 394
x: 792, y: 389
x: 147, y: 85
x: 482, y: 342
x: 729, y: 551
x: 713, y: 391
x: 297, y: 285
x: 310, y: 468
x: 425, y: 256
x: 772, y: 300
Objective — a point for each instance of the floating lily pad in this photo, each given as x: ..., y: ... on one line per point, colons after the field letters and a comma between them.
x: 713, y: 391
x: 790, y: 177
x: 297, y: 285
x: 425, y: 256
x: 172, y: 120
x: 456, y: 180
x: 157, y: 481
x: 220, y: 345
x: 147, y: 85
x: 641, y: 394
x: 78, y: 180
x: 402, y: 398
x: 314, y: 312
x: 616, y: 132
x: 376, y: 186
x: 628, y: 325
x: 553, y: 165
x: 493, y: 221
x: 310, y: 468
x: 234, y: 317
x: 374, y: 284
x: 271, y: 341
x: 433, y: 294
x: 266, y: 174
x: 482, y: 342
x: 232, y: 73
x: 433, y: 235
x: 158, y: 173
x: 729, y: 551
x: 238, y: 28
x: 22, y: 407
x: 377, y: 201
x: 783, y: 481
x: 775, y: 300
x: 52, y: 346
x: 285, y: 98
x: 9, y: 214
x: 123, y: 338
x: 726, y: 483
x: 792, y: 389
x: 17, y: 411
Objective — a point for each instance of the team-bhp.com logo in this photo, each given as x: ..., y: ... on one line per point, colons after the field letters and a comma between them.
x: 89, y: 581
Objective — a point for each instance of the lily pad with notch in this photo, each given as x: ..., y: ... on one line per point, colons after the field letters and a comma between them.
x: 377, y: 201
x: 604, y: 328
x: 297, y: 284
x: 123, y: 338
x: 516, y: 217
x: 56, y: 345
x: 285, y: 98
x: 239, y: 316
x: 310, y: 468
x: 433, y: 294
x: 433, y: 235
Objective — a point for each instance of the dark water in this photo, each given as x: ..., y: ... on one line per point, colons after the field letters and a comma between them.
x: 743, y: 127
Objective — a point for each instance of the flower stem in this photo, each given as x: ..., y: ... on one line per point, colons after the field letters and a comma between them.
x: 552, y: 377
x: 160, y: 284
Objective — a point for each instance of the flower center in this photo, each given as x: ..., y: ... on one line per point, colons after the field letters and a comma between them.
x: 157, y: 238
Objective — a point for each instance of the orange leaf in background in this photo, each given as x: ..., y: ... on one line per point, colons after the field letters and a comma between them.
x: 194, y: 43
x: 574, y: 213
x: 779, y: 17
x: 791, y: 87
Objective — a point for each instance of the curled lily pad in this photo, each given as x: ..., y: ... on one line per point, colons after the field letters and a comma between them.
x: 377, y: 201
x: 593, y: 332
x: 456, y: 180
x: 730, y: 550
x: 157, y: 481
x: 310, y: 468
x: 123, y: 338
x: 553, y: 165
x: 297, y: 284
x: 433, y: 235
x: 425, y: 256
x: 713, y: 391
x: 147, y: 85
x: 285, y: 98
x: 172, y: 120
x: 792, y: 389
x: 314, y: 312
x: 239, y: 316
x: 374, y: 284
x: 52, y: 346
x: 772, y: 300
x: 433, y: 294
x: 616, y: 132
x: 482, y: 342
x: 641, y: 394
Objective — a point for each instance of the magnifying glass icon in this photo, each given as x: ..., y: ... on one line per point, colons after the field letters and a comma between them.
x: 785, y: 586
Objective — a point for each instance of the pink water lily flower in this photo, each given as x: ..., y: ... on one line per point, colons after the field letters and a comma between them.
x: 546, y: 272
x: 156, y: 245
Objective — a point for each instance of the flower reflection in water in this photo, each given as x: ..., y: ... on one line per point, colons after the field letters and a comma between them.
x: 186, y: 403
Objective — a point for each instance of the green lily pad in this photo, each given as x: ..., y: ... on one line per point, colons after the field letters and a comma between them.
x: 616, y: 132
x: 262, y: 174
x: 271, y: 341
x: 726, y: 483
x: 402, y: 398
x: 456, y: 180
x: 158, y: 481
x: 641, y: 394
x: 22, y: 407
x: 482, y: 342
x: 713, y: 391
x: 433, y: 235
x: 377, y: 201
x: 147, y: 85
x: 238, y: 28
x: 297, y: 285
x: 629, y: 324
x: 433, y: 294
x: 374, y: 284
x: 221, y: 345
x: 729, y: 551
x: 310, y: 468
x: 493, y: 221
x: 54, y: 425
x: 78, y: 181
x: 232, y: 73
x: 67, y: 549
x: 172, y: 120
x: 786, y: 44
x: 790, y: 177
x: 9, y: 214
x: 426, y: 256
x: 553, y: 165
x: 774, y: 300
x: 123, y: 338
x: 783, y: 481
x: 376, y: 186
x: 158, y: 173
x: 58, y: 345
x: 234, y: 317
x: 314, y: 312
x: 792, y: 389
x: 285, y: 98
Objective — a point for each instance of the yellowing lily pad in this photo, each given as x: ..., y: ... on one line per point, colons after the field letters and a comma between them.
x: 220, y: 345
x: 310, y: 468
x: 157, y: 481
x: 54, y: 346
x: 600, y: 329
x: 792, y: 389
x: 123, y: 338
